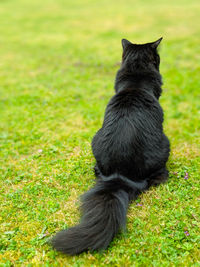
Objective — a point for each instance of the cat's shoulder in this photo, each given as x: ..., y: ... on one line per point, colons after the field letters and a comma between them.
x: 132, y: 96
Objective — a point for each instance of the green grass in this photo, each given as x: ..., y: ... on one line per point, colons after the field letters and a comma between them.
x: 57, y: 67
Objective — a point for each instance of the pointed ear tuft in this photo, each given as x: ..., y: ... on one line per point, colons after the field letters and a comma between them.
x: 125, y: 43
x: 156, y: 43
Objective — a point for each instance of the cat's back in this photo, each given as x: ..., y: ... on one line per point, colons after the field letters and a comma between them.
x: 134, y: 102
x: 133, y: 121
x: 131, y: 115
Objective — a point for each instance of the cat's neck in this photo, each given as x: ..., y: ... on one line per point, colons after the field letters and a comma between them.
x: 143, y: 80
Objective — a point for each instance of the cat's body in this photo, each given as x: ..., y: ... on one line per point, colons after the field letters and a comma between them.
x: 131, y: 141
x: 130, y: 149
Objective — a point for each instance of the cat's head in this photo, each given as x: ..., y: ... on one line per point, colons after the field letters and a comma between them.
x: 140, y: 56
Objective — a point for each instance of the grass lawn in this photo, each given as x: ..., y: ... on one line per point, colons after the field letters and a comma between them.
x: 57, y: 68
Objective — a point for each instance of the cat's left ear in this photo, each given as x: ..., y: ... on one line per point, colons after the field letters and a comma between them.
x: 125, y: 43
x: 156, y: 43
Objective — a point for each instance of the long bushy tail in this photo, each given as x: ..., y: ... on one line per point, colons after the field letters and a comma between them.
x: 104, y: 211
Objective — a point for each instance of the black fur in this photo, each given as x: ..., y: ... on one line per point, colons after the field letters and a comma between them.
x: 130, y: 149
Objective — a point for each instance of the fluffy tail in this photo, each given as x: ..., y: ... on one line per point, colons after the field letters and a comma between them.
x: 104, y: 211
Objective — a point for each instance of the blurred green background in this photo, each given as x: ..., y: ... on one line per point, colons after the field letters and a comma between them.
x: 58, y: 61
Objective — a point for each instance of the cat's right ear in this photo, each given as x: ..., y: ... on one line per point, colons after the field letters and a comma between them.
x: 125, y: 43
x: 156, y: 43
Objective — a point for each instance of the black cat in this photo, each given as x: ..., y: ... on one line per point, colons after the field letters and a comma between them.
x: 130, y: 149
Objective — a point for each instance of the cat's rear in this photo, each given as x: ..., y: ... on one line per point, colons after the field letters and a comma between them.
x: 130, y: 149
